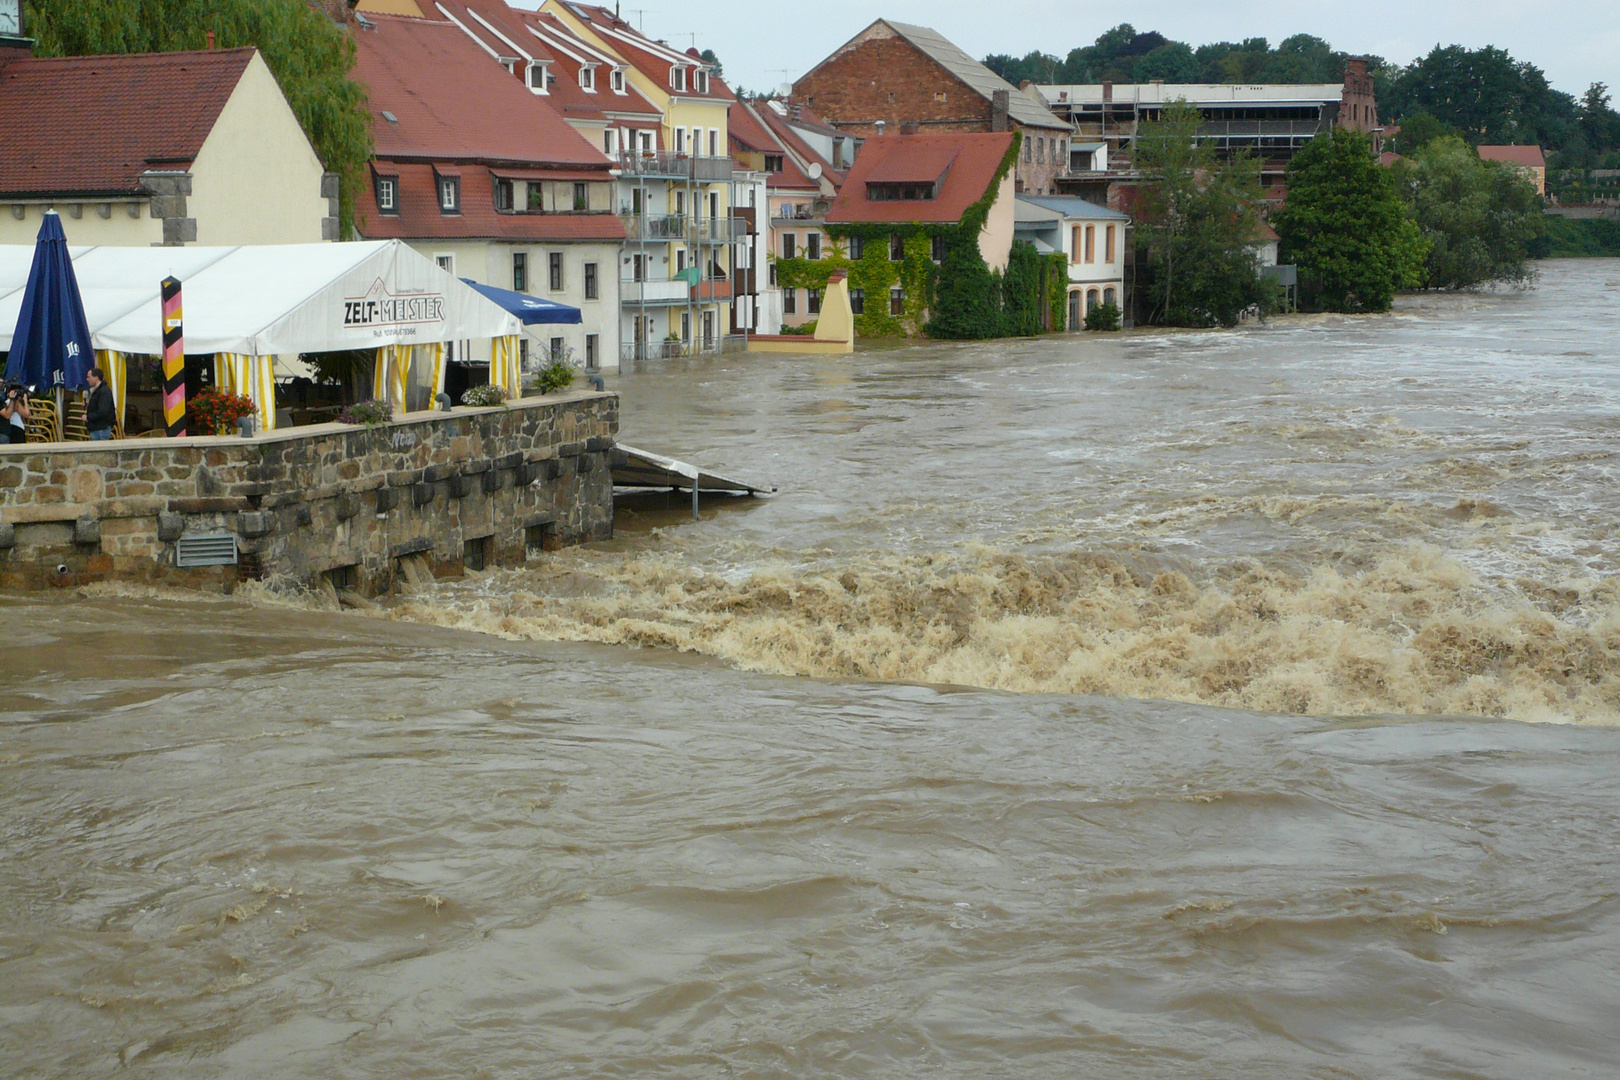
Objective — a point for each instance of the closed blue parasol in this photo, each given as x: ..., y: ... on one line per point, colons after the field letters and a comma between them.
x: 51, y: 347
x: 528, y: 309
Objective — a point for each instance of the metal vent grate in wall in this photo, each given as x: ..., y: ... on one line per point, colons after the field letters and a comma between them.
x: 218, y: 549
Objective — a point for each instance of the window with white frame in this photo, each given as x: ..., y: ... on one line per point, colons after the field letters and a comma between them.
x: 450, y: 194
x: 610, y: 139
x: 388, y: 194
x: 680, y: 140
x: 677, y: 79
x: 714, y: 142
x: 700, y: 80
x: 587, y: 77
x: 616, y: 80
x: 537, y: 77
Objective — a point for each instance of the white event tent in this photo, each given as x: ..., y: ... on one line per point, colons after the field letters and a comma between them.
x: 255, y: 307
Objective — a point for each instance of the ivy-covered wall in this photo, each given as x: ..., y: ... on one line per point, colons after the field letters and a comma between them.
x: 958, y: 297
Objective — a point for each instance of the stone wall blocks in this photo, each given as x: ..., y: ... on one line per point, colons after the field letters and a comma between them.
x: 434, y: 473
x: 170, y: 527
x: 598, y: 442
x: 8, y: 536
x: 387, y: 499
x: 571, y: 449
x: 473, y: 468
x: 304, y: 515
x: 255, y: 523
x: 87, y: 531
x: 422, y: 494
x: 346, y: 506
x: 494, y: 481
x: 509, y: 461
x: 553, y: 469
x: 461, y: 486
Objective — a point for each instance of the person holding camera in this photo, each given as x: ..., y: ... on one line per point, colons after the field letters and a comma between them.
x: 15, y: 413
x: 100, y: 414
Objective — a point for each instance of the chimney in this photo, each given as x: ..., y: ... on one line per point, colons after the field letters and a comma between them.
x: 210, y: 37
x: 1000, y: 100
x: 909, y: 127
x: 1108, y: 90
x: 880, y: 129
x: 795, y: 113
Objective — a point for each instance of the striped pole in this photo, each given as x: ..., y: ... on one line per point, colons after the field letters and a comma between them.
x: 174, y: 360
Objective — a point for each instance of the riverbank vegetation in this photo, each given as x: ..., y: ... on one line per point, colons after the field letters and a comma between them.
x: 1197, y: 226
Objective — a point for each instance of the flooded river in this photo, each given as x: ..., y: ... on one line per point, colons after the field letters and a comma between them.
x: 1230, y: 704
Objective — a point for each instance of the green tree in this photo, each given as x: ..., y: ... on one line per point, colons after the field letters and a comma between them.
x: 308, y: 53
x: 1599, y: 123
x: 1417, y: 131
x: 708, y: 57
x: 1346, y: 227
x: 1479, y: 217
x: 1197, y: 221
x: 1486, y: 95
x: 1173, y: 62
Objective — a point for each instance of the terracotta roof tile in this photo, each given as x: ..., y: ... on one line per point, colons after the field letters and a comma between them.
x: 452, y: 101
x: 1514, y: 155
x: 978, y: 155
x: 93, y: 124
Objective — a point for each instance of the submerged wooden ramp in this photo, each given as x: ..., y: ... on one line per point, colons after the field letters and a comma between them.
x: 633, y: 468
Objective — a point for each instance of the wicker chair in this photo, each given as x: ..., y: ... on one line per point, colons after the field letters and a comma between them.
x: 43, y: 424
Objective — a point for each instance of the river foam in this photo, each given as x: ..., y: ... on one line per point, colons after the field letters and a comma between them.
x: 1412, y: 631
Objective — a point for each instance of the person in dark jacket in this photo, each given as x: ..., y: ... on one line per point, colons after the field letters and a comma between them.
x: 100, y: 414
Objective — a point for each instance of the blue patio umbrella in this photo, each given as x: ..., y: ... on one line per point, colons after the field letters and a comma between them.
x: 528, y: 309
x: 51, y: 347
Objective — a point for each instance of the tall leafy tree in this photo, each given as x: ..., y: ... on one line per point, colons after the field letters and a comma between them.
x: 1479, y: 217
x: 1346, y: 226
x: 309, y: 54
x: 1197, y: 221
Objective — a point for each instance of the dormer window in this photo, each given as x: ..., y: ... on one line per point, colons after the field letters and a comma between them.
x: 388, y: 194
x: 587, y: 78
x: 537, y: 77
x: 677, y: 79
x: 899, y: 192
x: 700, y: 80
x: 616, y: 80
x: 450, y: 194
x: 773, y: 162
x: 503, y: 195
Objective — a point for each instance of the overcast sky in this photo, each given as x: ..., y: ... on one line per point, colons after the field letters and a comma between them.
x: 764, y: 45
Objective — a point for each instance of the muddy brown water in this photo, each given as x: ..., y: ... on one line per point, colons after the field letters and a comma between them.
x: 1239, y: 704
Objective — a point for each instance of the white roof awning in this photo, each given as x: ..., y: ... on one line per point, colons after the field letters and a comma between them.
x: 265, y: 300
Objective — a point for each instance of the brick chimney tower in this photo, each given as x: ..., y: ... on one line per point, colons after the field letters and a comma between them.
x: 1000, y: 102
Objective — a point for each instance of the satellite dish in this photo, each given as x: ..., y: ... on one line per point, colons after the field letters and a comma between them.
x: 785, y: 89
x: 815, y: 170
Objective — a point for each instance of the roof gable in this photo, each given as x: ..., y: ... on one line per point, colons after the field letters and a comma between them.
x: 962, y: 67
x: 1530, y: 156
x: 94, y: 124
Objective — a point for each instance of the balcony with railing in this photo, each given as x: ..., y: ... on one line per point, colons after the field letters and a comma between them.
x: 667, y: 164
x: 649, y: 228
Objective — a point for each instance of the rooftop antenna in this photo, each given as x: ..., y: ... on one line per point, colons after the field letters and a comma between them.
x: 638, y: 13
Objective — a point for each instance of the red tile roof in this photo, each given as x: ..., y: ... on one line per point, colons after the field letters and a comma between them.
x: 1514, y: 155
x: 978, y: 155
x: 92, y: 124
x: 567, y: 67
x: 652, y: 58
x: 784, y: 133
x: 927, y: 165
x: 749, y: 131
x: 452, y: 102
x: 419, y: 216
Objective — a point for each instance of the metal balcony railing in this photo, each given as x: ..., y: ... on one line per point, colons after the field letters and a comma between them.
x: 668, y: 164
x: 696, y: 230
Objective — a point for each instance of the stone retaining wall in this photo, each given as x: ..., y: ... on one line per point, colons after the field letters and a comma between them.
x: 332, y: 501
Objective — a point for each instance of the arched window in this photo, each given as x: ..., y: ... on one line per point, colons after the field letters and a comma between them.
x: 1091, y: 243
x: 1091, y: 301
x: 1109, y: 297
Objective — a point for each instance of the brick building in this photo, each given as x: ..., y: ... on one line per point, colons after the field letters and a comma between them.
x: 892, y: 76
